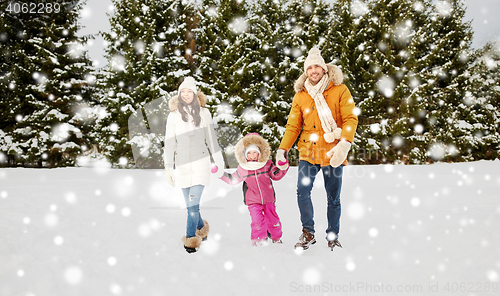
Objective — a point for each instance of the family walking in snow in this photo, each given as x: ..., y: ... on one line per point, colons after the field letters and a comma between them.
x: 322, y: 114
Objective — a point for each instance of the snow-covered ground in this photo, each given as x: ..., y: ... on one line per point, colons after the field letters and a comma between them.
x: 406, y: 230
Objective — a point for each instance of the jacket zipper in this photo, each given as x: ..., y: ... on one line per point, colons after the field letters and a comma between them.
x: 258, y: 185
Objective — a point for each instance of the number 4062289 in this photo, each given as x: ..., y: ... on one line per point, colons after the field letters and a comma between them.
x: 34, y: 8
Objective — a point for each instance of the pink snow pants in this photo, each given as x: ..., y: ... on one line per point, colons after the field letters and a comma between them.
x: 264, y: 219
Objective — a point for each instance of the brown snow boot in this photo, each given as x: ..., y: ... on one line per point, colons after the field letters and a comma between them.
x: 305, y: 240
x: 203, y: 232
x: 191, y: 244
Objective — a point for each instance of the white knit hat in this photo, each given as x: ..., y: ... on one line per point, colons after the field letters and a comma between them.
x: 314, y: 58
x: 189, y: 84
x: 251, y: 147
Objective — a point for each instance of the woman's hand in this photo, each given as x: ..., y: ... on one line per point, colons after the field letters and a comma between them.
x: 216, y: 171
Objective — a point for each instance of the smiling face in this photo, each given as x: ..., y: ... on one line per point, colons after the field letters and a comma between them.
x: 252, y: 155
x: 315, y: 73
x: 187, y: 95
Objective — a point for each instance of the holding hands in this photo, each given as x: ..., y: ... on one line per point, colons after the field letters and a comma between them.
x: 281, y: 160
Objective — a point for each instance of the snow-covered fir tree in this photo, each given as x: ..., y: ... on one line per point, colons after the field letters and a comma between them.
x: 423, y: 94
x: 390, y: 107
x: 218, y: 25
x: 266, y: 46
x: 262, y: 58
x: 46, y: 86
x: 304, y: 24
x: 442, y: 79
x: 399, y: 57
x: 150, y: 50
x: 344, y: 46
x: 373, y: 42
x: 477, y: 117
x: 213, y: 34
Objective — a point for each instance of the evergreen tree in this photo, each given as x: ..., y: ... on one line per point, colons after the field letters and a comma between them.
x: 476, y: 118
x: 45, y: 86
x: 150, y: 50
x: 213, y: 35
x: 260, y: 66
x: 345, y: 46
x: 444, y: 78
x: 305, y: 26
x: 373, y: 40
x: 403, y: 56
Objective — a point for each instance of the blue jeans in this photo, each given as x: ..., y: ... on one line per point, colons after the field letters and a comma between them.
x: 333, y: 183
x: 192, y: 196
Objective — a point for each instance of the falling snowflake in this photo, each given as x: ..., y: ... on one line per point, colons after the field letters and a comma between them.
x: 118, y: 63
x: 386, y: 86
x: 73, y: 275
x: 238, y: 25
x: 359, y: 8
x: 418, y: 128
x: 444, y: 8
x: 437, y: 151
x: 139, y: 47
x: 252, y: 116
x: 58, y: 240
x: 311, y: 276
x: 350, y: 265
x: 355, y: 210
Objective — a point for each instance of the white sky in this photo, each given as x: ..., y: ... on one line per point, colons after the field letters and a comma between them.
x: 483, y: 13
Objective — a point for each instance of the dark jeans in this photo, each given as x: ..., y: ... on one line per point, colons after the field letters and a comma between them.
x: 333, y: 183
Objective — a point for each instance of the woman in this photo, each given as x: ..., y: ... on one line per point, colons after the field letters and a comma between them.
x: 189, y: 142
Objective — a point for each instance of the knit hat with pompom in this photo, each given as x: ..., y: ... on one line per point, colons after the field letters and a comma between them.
x: 314, y: 58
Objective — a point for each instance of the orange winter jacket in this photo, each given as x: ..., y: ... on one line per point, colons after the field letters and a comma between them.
x: 304, y: 118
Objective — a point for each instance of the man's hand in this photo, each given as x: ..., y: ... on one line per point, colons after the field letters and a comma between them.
x: 281, y: 161
x: 339, y: 153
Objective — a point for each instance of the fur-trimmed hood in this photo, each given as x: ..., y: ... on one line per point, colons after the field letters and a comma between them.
x: 243, y: 143
x: 173, y: 104
x: 335, y: 75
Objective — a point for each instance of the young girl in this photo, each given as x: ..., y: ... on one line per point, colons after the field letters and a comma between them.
x: 256, y: 170
x: 189, y: 141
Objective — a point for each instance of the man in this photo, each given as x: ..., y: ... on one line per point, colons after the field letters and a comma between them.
x: 323, y: 110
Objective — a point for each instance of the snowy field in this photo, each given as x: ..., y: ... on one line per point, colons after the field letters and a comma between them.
x: 406, y: 230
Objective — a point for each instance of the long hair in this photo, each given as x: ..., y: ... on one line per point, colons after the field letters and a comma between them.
x: 195, y: 110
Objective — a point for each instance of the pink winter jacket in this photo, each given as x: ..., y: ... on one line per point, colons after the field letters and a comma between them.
x: 257, y: 184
